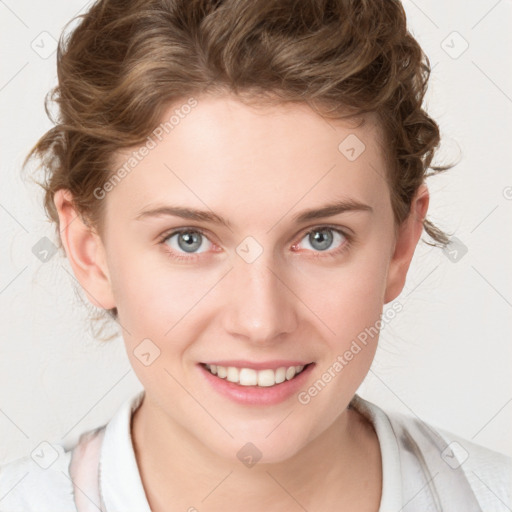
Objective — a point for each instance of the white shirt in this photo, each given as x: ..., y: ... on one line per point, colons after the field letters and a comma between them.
x: 26, y: 487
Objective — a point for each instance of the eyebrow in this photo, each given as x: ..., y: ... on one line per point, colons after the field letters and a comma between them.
x: 328, y: 210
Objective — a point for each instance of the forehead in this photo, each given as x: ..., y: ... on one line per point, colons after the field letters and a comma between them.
x: 223, y: 151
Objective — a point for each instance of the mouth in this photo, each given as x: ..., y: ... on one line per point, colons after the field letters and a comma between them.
x: 259, y: 378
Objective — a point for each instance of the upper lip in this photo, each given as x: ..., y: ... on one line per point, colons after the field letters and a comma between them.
x: 264, y: 365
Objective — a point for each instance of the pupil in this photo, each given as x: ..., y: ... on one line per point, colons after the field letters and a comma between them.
x: 324, y: 241
x: 191, y: 241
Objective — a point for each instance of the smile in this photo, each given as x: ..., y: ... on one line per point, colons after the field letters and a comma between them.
x: 251, y: 377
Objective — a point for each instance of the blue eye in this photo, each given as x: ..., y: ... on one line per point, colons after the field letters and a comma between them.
x: 321, y: 239
x: 185, y: 244
x: 187, y: 240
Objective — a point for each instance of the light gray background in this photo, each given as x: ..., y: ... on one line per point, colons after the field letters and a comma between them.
x: 447, y: 357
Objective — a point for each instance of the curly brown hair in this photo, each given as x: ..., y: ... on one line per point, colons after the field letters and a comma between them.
x: 127, y: 61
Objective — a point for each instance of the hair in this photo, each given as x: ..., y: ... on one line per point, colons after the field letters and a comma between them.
x: 127, y: 61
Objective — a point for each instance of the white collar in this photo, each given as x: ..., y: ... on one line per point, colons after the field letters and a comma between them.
x: 391, y: 498
x: 121, y: 485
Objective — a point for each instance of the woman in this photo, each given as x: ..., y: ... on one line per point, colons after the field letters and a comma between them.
x: 241, y: 186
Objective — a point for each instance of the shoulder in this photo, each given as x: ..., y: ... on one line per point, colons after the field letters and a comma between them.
x: 489, y: 473
x: 38, y: 482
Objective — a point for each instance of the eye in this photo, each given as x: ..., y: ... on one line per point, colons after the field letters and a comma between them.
x: 186, y: 241
x: 322, y: 238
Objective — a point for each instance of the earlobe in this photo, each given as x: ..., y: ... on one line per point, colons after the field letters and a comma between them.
x: 408, y: 235
x: 85, y: 252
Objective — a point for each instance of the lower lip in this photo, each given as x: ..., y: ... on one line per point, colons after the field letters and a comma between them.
x: 255, y: 395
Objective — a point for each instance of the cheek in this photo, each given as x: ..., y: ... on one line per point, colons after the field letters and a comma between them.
x: 350, y: 297
x: 353, y: 316
x: 147, y: 293
x: 351, y: 306
x: 152, y: 304
x: 162, y: 302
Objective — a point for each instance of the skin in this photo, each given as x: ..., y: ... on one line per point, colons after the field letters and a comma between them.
x: 257, y: 168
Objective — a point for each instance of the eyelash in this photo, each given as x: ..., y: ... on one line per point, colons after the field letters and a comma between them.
x: 317, y: 254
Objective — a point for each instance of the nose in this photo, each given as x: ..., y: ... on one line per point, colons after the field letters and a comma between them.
x: 261, y: 307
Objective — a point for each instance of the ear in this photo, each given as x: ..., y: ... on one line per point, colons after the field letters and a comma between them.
x: 85, y: 252
x: 408, y: 235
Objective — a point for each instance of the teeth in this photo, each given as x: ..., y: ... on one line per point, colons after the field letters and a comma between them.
x: 266, y: 378
x: 290, y: 372
x: 250, y: 377
x: 280, y: 375
x: 233, y: 374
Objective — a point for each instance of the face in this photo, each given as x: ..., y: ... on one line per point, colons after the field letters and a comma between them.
x: 272, y: 285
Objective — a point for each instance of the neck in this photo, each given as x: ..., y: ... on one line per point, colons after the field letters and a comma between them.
x: 177, y: 470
